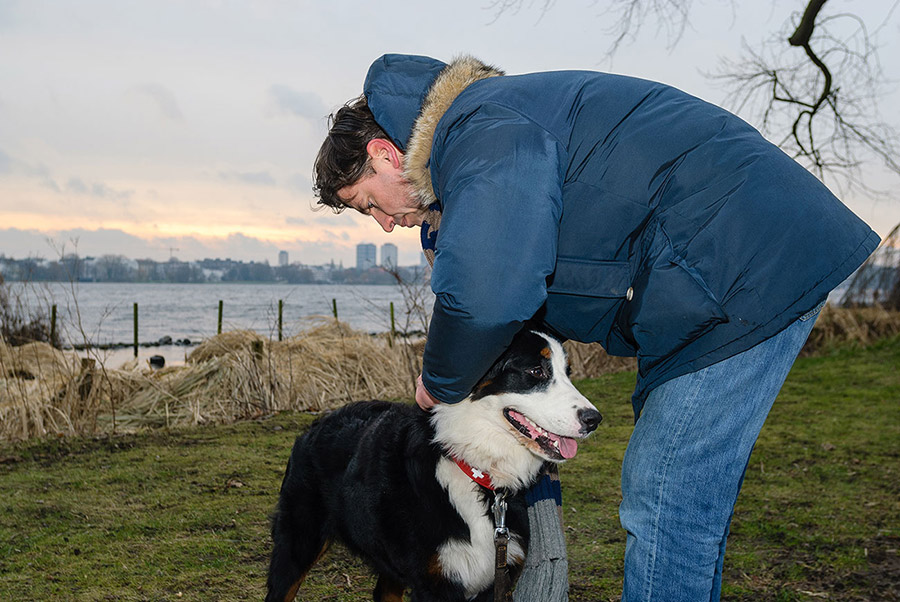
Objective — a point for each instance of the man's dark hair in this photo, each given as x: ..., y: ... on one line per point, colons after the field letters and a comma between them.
x: 342, y: 159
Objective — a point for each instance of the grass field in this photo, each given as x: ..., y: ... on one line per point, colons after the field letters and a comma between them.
x: 183, y: 514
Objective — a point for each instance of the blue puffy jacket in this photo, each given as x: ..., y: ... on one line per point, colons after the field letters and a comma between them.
x: 617, y: 210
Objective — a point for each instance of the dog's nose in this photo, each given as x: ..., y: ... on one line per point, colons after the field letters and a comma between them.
x: 589, y: 419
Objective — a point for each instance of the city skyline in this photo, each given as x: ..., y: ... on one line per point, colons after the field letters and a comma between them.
x: 117, y: 268
x: 388, y: 252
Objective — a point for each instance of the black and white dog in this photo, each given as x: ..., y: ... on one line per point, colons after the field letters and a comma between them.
x: 411, y: 492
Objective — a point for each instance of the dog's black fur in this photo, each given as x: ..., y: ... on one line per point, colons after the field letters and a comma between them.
x: 364, y: 475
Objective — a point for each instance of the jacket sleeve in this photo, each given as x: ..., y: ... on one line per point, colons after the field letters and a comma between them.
x: 499, y: 178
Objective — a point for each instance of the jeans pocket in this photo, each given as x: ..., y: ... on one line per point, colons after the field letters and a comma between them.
x: 813, y: 312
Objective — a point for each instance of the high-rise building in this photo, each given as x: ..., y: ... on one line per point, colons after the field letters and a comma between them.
x: 283, y: 258
x: 389, y: 256
x: 365, y: 256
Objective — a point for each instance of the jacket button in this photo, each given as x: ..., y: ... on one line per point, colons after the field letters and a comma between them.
x: 629, y: 294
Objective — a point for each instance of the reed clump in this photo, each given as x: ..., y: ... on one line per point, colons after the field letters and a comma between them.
x: 38, y: 389
x: 240, y: 374
x: 232, y: 376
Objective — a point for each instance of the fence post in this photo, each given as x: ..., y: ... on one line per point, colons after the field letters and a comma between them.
x: 86, y: 378
x: 219, y: 329
x: 393, y: 328
x: 280, y: 312
x: 334, y: 308
x: 53, y: 325
x: 135, y: 330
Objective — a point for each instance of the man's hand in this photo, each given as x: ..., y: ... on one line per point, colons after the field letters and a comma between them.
x: 423, y: 397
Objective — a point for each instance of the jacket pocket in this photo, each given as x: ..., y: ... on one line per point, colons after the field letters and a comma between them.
x: 671, y: 304
x: 590, y: 278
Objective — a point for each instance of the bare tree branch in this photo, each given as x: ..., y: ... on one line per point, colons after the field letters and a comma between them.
x: 628, y: 16
x: 671, y: 15
x: 830, y: 123
x: 807, y: 23
x: 502, y: 6
x: 822, y: 108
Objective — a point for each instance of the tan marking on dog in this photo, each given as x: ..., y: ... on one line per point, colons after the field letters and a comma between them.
x: 545, y: 352
x: 484, y: 384
x: 387, y: 590
x: 292, y: 593
x: 435, y: 569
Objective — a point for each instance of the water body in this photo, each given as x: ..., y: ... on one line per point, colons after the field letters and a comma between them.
x: 103, y: 313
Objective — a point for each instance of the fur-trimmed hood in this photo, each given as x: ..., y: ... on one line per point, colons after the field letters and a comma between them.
x: 455, y: 78
x: 408, y: 95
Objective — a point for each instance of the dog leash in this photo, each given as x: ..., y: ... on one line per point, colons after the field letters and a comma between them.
x: 502, y: 580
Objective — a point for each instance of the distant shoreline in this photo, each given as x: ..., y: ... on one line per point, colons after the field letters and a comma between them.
x: 229, y: 282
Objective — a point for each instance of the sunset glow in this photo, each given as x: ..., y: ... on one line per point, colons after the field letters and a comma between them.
x: 147, y: 127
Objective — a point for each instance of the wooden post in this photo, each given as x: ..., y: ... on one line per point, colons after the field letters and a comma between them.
x: 393, y: 327
x: 86, y: 378
x: 53, y: 325
x: 219, y: 329
x: 135, y: 330
x: 334, y: 308
x: 280, y: 313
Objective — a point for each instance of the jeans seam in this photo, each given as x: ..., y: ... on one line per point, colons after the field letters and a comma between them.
x: 683, y: 419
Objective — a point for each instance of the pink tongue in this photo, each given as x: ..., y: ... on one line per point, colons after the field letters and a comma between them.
x: 568, y: 447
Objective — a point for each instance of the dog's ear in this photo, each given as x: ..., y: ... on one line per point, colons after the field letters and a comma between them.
x: 490, y: 376
x: 484, y: 386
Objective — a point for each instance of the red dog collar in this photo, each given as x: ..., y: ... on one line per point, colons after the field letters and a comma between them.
x: 482, y: 478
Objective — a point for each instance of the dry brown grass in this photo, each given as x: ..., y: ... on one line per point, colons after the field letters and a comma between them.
x: 589, y: 360
x: 860, y: 325
x: 240, y: 374
x: 232, y: 376
x: 38, y: 391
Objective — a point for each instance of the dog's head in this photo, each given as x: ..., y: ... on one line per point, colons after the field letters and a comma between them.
x: 524, y: 411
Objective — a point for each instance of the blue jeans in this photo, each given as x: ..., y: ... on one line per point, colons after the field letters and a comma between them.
x: 685, y: 464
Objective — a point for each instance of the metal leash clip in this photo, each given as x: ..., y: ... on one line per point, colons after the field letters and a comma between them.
x: 502, y: 580
x: 499, y: 510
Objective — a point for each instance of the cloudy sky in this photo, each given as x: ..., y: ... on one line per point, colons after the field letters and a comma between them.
x: 188, y: 128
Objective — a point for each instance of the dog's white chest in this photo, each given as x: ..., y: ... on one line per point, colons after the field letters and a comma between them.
x: 470, y: 563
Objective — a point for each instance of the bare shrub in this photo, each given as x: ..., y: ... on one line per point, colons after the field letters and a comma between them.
x: 20, y: 324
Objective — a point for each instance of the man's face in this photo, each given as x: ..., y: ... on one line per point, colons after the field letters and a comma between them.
x: 385, y: 195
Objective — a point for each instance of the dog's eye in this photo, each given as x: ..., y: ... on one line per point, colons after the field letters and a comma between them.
x: 537, y: 372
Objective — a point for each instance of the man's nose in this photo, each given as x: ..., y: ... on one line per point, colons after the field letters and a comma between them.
x: 385, y: 221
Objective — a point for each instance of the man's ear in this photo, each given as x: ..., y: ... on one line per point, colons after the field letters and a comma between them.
x: 384, y: 150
